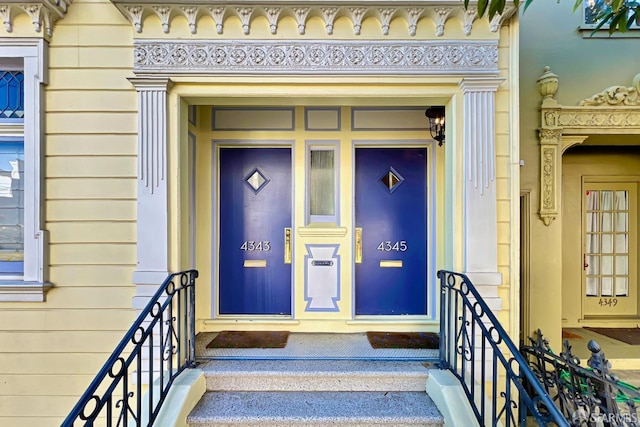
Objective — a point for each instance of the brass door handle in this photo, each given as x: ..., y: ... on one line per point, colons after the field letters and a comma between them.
x: 287, y: 245
x: 358, y: 238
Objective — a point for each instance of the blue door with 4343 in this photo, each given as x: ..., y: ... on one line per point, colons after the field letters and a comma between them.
x: 391, y: 231
x: 254, y: 222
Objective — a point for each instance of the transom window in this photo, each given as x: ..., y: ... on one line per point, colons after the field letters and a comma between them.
x: 11, y: 94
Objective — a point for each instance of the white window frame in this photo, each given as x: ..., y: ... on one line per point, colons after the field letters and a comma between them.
x: 32, y: 55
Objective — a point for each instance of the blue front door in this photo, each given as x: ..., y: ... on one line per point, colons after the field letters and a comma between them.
x: 391, y: 217
x: 255, y: 213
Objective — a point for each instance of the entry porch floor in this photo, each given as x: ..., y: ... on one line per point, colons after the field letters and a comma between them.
x: 319, y: 346
x: 624, y: 358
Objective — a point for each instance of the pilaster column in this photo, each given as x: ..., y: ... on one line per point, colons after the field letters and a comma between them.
x: 480, y: 202
x: 153, y: 205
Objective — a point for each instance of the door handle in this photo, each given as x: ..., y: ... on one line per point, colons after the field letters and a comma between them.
x: 287, y: 245
x: 358, y: 238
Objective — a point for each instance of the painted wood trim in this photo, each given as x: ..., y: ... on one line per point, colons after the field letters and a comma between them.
x: 481, y: 248
x: 34, y: 53
x: 152, y: 217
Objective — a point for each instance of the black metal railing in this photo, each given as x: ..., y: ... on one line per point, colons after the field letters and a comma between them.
x: 157, y: 348
x: 587, y: 396
x: 493, y: 373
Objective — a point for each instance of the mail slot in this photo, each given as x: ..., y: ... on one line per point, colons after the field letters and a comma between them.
x: 322, y: 263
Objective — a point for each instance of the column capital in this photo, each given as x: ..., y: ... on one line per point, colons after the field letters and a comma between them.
x: 480, y: 84
x: 151, y: 83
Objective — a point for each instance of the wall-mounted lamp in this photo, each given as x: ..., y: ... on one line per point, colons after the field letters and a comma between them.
x: 435, y: 114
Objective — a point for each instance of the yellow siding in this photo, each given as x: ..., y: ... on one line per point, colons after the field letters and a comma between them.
x: 24, y: 385
x: 92, y: 122
x: 89, y: 57
x: 100, y: 101
x: 94, y: 166
x: 49, y: 352
x: 57, y: 320
x: 76, y: 341
x: 92, y: 232
x: 92, y: 210
x: 51, y: 364
x: 93, y: 253
x: 91, y: 188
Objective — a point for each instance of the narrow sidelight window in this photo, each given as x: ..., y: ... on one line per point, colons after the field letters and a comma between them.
x: 322, y: 184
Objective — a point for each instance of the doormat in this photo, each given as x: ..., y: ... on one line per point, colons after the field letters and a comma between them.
x: 627, y: 335
x: 417, y: 340
x: 566, y: 335
x: 250, y: 339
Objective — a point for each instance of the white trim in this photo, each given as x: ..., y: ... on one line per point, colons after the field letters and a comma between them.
x: 480, y: 210
x: 33, y: 286
x: 515, y: 193
x: 153, y: 215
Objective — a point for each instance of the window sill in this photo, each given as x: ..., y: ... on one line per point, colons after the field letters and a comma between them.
x: 19, y: 291
x: 603, y: 33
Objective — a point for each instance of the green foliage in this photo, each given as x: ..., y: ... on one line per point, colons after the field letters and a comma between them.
x: 619, y: 15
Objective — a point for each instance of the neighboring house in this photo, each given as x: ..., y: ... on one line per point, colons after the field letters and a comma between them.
x: 581, y: 173
x: 280, y: 148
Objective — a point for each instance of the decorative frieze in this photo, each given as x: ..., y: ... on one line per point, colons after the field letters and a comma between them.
x: 384, y: 13
x: 616, y: 118
x: 339, y: 57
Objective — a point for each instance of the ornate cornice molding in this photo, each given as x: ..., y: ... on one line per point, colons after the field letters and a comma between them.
x: 616, y: 95
x: 43, y: 13
x: 385, y: 11
x: 615, y: 110
x: 314, y: 57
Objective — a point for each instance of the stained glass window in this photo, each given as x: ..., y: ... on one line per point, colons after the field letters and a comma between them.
x: 11, y: 95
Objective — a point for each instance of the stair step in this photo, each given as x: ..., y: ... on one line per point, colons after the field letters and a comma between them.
x: 311, y: 409
x: 315, y: 375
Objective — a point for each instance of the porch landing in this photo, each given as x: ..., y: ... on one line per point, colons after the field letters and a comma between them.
x: 624, y: 358
x: 309, y: 346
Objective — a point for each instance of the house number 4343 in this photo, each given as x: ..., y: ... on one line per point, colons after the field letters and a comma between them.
x: 388, y: 246
x: 251, y: 246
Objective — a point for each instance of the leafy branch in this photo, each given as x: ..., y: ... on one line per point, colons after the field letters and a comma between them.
x: 619, y: 15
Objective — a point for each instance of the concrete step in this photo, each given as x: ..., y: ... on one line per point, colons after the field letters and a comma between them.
x: 315, y: 375
x: 315, y: 393
x: 314, y: 409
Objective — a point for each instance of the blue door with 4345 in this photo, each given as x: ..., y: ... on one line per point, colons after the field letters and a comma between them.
x: 391, y: 231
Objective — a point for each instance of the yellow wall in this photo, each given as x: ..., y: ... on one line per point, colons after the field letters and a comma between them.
x: 49, y: 352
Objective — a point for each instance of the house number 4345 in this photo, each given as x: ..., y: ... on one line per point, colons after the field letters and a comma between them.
x: 388, y: 246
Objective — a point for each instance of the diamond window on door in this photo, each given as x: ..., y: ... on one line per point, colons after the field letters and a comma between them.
x: 256, y: 180
x: 607, y: 247
x: 391, y: 179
